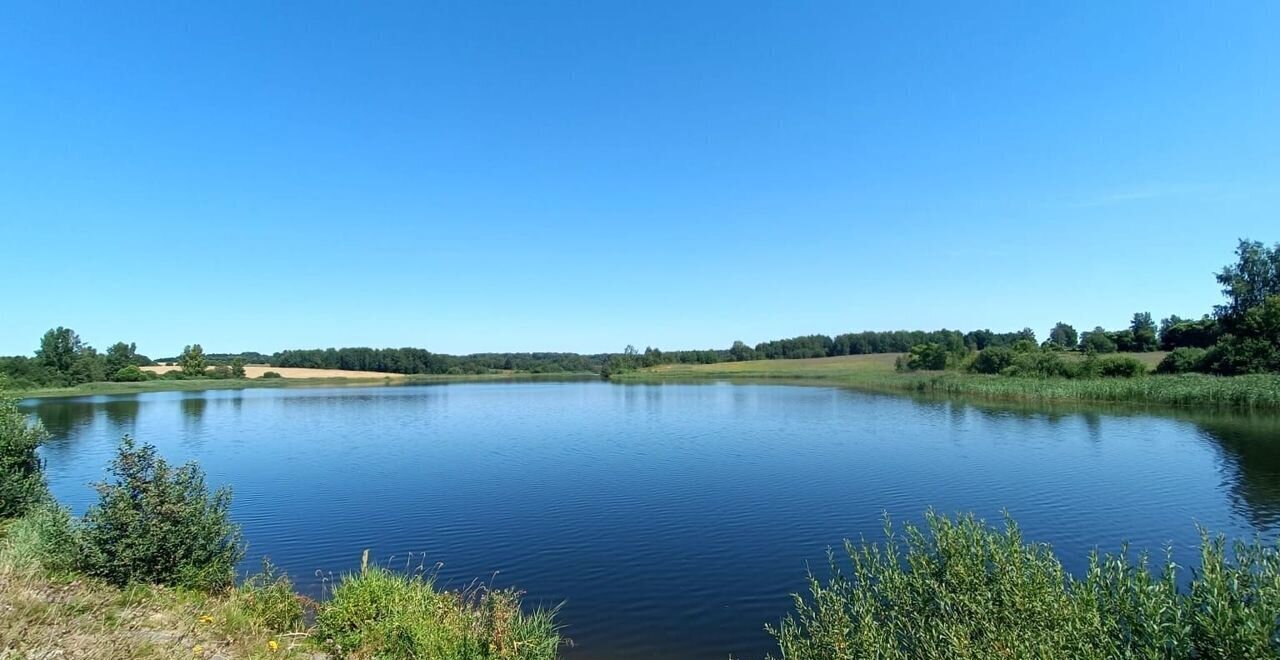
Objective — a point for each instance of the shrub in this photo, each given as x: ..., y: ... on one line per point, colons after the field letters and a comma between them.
x: 22, y: 482
x: 129, y: 374
x: 962, y: 589
x: 1040, y: 364
x: 159, y: 524
x: 993, y: 360
x: 929, y: 357
x: 270, y: 374
x: 220, y: 372
x: 43, y: 540
x: 377, y: 613
x: 1182, y: 360
x: 1120, y: 366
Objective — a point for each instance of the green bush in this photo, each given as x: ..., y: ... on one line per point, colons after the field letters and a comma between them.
x: 380, y: 614
x: 270, y: 374
x: 1183, y: 360
x: 927, y: 357
x: 220, y: 372
x: 1120, y: 366
x: 43, y: 540
x: 993, y: 360
x: 158, y: 524
x: 129, y: 374
x: 962, y: 589
x: 22, y: 482
x: 1040, y: 364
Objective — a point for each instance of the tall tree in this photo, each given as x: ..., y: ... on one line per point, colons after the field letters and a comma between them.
x: 1144, y: 332
x: 192, y: 360
x: 1248, y: 282
x: 59, y: 349
x: 1064, y: 336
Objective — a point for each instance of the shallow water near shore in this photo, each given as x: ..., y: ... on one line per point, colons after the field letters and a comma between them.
x: 671, y: 520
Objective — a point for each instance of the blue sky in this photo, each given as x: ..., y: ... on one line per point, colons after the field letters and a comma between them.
x: 580, y: 176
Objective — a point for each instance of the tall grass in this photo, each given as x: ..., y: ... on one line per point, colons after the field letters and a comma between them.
x: 382, y: 614
x: 962, y: 589
x: 1257, y: 391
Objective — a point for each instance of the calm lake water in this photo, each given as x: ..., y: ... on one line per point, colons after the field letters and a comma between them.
x: 672, y: 521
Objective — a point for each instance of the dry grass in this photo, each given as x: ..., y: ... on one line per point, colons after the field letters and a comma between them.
x: 86, y: 620
x: 256, y: 371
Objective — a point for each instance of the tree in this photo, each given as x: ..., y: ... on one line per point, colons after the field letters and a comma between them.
x: 1248, y: 282
x: 1254, y: 344
x: 1144, y: 332
x: 1097, y: 341
x: 1177, y: 332
x: 192, y: 360
x: 237, y: 367
x: 59, y: 349
x: 740, y: 352
x: 1063, y: 336
x: 120, y: 355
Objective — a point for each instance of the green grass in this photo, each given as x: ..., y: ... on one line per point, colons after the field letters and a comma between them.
x: 965, y: 590
x: 161, y: 385
x: 377, y: 613
x: 876, y: 373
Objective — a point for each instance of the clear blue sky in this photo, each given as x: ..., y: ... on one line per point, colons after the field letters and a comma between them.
x: 579, y: 176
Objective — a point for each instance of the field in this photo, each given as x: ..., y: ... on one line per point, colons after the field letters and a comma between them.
x: 876, y: 372
x: 256, y: 371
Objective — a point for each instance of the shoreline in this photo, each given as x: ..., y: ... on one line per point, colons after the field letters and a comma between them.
x: 196, y: 385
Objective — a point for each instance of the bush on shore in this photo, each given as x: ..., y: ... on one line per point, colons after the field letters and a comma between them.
x: 962, y: 589
x: 22, y: 484
x: 158, y: 524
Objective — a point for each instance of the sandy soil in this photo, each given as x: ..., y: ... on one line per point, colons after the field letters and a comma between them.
x: 256, y: 370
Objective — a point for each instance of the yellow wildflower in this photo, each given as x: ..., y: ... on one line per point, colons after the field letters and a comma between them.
x: 197, y: 650
x: 273, y: 645
x: 206, y: 619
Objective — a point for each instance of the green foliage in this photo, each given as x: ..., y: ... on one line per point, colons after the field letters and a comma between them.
x: 237, y: 367
x: 22, y: 484
x: 129, y: 374
x: 993, y: 360
x: 378, y: 613
x: 43, y: 540
x: 1097, y: 341
x: 1177, y: 333
x: 192, y: 360
x: 1183, y: 360
x: 1252, y: 345
x: 1250, y: 281
x: 963, y: 589
x: 1063, y: 336
x: 926, y: 357
x: 268, y: 597
x: 1143, y: 331
x: 1039, y: 364
x: 270, y: 374
x: 158, y: 524
x: 59, y: 349
x: 1120, y: 366
x: 219, y: 372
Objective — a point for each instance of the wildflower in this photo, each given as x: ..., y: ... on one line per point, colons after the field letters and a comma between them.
x: 206, y: 619
x: 197, y: 650
x: 273, y: 645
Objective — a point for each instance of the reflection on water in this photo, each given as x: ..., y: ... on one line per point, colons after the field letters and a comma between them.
x: 672, y: 520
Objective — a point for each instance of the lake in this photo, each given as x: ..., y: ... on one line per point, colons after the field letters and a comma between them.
x: 671, y: 520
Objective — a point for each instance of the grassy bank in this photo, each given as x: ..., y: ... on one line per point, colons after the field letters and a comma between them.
x: 374, y: 613
x: 876, y: 373
x: 162, y: 385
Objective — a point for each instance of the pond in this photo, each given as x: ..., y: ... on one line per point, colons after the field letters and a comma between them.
x: 670, y: 520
